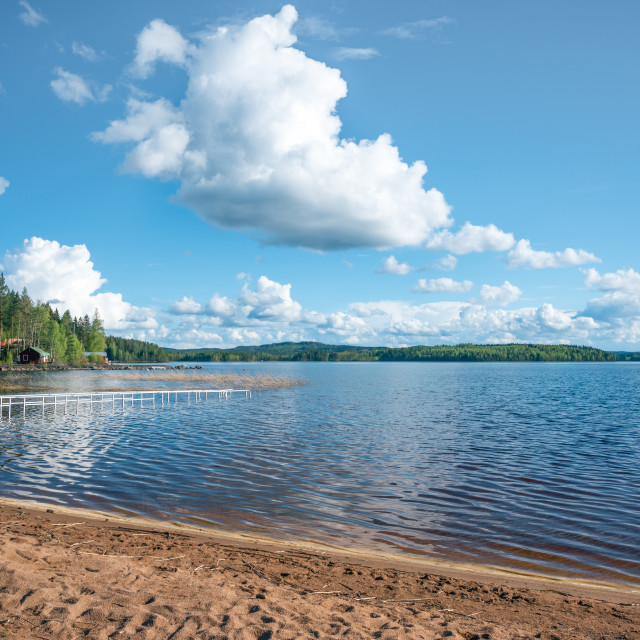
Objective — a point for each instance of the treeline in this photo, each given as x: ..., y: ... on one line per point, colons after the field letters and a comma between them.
x: 25, y: 323
x: 129, y: 350
x: 318, y: 352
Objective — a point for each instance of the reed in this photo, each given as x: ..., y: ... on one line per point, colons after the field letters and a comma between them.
x: 258, y: 382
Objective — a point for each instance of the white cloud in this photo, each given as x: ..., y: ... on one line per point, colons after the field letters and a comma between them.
x: 418, y: 28
x: 158, y: 41
x: 444, y: 285
x: 66, y: 276
x: 522, y: 255
x: 396, y: 322
x: 391, y: 265
x: 317, y: 27
x: 499, y: 296
x: 221, y: 306
x: 244, y: 336
x: 271, y: 300
x: 85, y: 51
x: 30, y: 16
x: 618, y: 310
x: 144, y: 121
x: 448, y: 263
x: 255, y: 144
x: 4, y: 185
x: 186, y: 306
x: 70, y: 87
x: 622, y: 280
x: 267, y: 312
x: 350, y: 53
x: 161, y: 136
x: 472, y: 238
x: 190, y: 337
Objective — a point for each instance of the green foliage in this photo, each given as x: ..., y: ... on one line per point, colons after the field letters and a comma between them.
x: 75, y: 352
x: 96, y: 340
x: 128, y: 350
x: 316, y: 351
x: 25, y: 323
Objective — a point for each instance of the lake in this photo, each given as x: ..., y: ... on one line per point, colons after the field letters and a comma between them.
x: 533, y: 468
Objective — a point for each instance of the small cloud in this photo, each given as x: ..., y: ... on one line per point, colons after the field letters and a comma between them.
x: 350, y: 53
x: 346, y: 263
x: 30, y: 16
x: 4, y: 185
x: 472, y: 238
x: 243, y: 276
x: 2, y: 90
x: 448, y: 263
x: 522, y: 255
x: 317, y: 27
x: 622, y: 280
x: 442, y: 285
x: 70, y: 87
x: 417, y: 29
x: 498, y: 296
x: 85, y: 51
x: 158, y: 41
x: 186, y: 306
x: 391, y: 265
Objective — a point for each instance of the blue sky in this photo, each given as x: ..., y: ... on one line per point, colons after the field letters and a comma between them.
x: 241, y: 173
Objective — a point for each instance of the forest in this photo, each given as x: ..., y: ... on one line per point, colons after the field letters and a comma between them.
x: 318, y: 352
x: 24, y: 323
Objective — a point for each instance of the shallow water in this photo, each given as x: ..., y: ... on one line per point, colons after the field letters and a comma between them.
x: 532, y: 468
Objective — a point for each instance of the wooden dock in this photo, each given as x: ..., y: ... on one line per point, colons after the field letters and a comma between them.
x: 10, y: 405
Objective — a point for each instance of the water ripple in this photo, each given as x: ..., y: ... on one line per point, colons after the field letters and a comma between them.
x: 531, y: 468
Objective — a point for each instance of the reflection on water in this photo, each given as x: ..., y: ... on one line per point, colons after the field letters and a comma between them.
x: 531, y: 468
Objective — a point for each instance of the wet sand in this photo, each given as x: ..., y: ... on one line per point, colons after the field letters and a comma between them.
x: 71, y: 574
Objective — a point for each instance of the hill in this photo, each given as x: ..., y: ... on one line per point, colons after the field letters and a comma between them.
x: 317, y: 351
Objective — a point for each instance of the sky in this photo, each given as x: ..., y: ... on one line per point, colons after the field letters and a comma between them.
x: 368, y: 173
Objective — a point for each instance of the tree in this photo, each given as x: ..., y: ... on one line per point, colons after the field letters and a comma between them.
x: 96, y: 340
x: 74, y: 351
x: 58, y: 342
x: 3, y: 295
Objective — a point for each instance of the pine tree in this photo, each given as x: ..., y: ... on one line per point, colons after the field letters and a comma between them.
x: 96, y: 341
x: 74, y: 353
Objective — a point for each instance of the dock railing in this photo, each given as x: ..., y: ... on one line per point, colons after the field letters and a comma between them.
x: 10, y: 404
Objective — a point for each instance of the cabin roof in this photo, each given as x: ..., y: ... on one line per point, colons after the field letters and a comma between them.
x: 40, y: 352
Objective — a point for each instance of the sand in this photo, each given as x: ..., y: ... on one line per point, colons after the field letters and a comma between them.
x: 75, y: 575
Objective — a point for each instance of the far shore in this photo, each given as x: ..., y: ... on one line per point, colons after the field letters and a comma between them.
x: 69, y: 573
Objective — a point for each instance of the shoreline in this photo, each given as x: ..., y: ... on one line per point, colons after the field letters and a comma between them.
x: 606, y: 591
x: 69, y: 573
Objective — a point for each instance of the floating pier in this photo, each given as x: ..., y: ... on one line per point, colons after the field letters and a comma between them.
x: 71, y: 402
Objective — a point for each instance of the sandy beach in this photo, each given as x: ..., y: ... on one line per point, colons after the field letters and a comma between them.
x: 71, y: 574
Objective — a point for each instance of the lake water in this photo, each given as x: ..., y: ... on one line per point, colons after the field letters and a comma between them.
x: 533, y: 468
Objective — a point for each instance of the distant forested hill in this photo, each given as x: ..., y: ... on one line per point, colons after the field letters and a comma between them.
x: 316, y: 351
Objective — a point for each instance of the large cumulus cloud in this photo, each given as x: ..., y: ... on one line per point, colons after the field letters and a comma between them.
x: 256, y: 146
